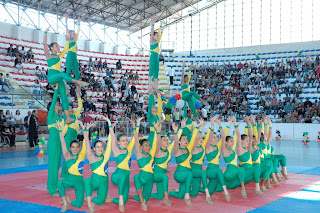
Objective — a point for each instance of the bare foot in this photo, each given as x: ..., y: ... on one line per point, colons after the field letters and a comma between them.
x: 56, y: 195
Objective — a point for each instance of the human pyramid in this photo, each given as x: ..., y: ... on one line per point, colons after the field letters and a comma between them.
x: 258, y: 162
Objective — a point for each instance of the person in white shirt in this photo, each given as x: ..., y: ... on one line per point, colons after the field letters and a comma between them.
x: 204, y: 113
x: 171, y: 75
x: 7, y: 82
x: 141, y: 101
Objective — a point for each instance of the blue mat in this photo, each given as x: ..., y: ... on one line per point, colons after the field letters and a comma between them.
x: 10, y: 206
x: 314, y: 171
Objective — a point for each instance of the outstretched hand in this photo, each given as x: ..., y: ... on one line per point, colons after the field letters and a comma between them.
x: 139, y: 121
x: 184, y: 123
x: 59, y: 125
x: 175, y: 127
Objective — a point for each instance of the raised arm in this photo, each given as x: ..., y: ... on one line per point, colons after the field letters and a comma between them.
x: 78, y: 29
x: 159, y: 111
x: 160, y: 34
x: 136, y: 138
x: 66, y: 16
x: 175, y: 128
x: 152, y: 29
x: 66, y: 46
x: 53, y: 103
x: 270, y: 130
x: 45, y: 44
x: 157, y: 126
x: 65, y: 151
x: 182, y: 77
x: 237, y: 141
x: 211, y: 128
x: 114, y: 145
x: 254, y: 126
x: 87, y: 141
x: 194, y: 136
x: 78, y: 110
x: 223, y: 137
x: 111, y: 137
x: 225, y: 131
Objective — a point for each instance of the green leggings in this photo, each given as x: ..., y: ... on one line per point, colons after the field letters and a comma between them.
x: 282, y: 159
x: 183, y: 176
x: 154, y: 65
x: 162, y: 181
x: 251, y: 173
x: 121, y: 179
x: 54, y: 77
x: 233, y: 176
x: 271, y: 162
x: 145, y: 180
x: 99, y: 183
x: 68, y: 139
x: 215, y: 176
x: 265, y: 170
x: 54, y: 160
x: 72, y: 63
x: 198, y: 176
x: 189, y: 97
x: 75, y: 182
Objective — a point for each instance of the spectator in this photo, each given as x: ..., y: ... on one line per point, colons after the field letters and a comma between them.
x: 18, y: 63
x: 26, y: 123
x: 171, y: 75
x: 30, y: 55
x: 16, y: 51
x: 2, y: 83
x: 119, y: 65
x: 18, y: 120
x: 22, y: 54
x: 37, y: 90
x: 10, y: 51
x: 7, y: 82
x: 33, y: 129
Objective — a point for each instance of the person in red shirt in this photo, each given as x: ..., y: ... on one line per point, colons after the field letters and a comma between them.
x: 87, y: 119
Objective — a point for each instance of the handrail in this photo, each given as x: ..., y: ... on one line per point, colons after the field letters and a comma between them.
x: 32, y: 95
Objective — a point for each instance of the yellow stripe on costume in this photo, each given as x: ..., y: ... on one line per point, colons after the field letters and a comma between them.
x: 204, y: 143
x: 186, y: 163
x: 164, y: 165
x: 106, y: 156
x: 152, y: 152
x: 74, y: 168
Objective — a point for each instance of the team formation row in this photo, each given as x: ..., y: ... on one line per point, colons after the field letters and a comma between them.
x: 258, y: 162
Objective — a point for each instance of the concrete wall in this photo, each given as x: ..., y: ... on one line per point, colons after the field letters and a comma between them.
x: 255, y: 49
x: 37, y: 36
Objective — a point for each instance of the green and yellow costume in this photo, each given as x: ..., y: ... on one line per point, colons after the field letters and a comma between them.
x: 154, y: 57
x: 153, y: 118
x: 121, y: 176
x: 183, y: 173
x: 75, y: 178
x: 145, y: 177
x: 187, y: 130
x: 72, y: 61
x: 196, y: 167
x: 99, y: 180
x: 190, y: 96
x: 72, y: 133
x: 56, y: 76
x: 54, y: 145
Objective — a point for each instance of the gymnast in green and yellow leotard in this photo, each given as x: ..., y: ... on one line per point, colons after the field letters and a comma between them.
x: 154, y: 113
x: 73, y: 129
x: 233, y: 174
x: 155, y: 39
x: 187, y: 95
x: 72, y: 61
x: 75, y: 164
x: 161, y: 160
x: 243, y: 150
x: 55, y: 75
x: 258, y: 157
x: 99, y: 181
x: 214, y: 173
x: 189, y: 125
x: 54, y: 144
x: 144, y: 180
x: 198, y: 153
x: 122, y: 153
x: 265, y: 139
x: 182, y: 152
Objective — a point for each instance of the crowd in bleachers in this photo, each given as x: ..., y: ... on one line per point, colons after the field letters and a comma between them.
x: 266, y: 82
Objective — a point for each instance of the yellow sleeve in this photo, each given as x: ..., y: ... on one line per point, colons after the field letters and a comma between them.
x: 160, y: 34
x: 64, y: 128
x: 205, y: 141
x: 82, y: 153
x: 65, y: 50
x: 154, y: 145
x: 170, y: 147
x: 226, y: 131
x: 78, y: 110
x: 262, y: 128
x: 189, y: 76
x: 235, y: 138
x: 246, y: 131
x: 255, y: 131
x: 107, y: 152
x: 267, y: 130
x: 193, y: 139
x: 132, y: 142
x: 78, y: 31
x: 159, y: 111
x: 180, y: 133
